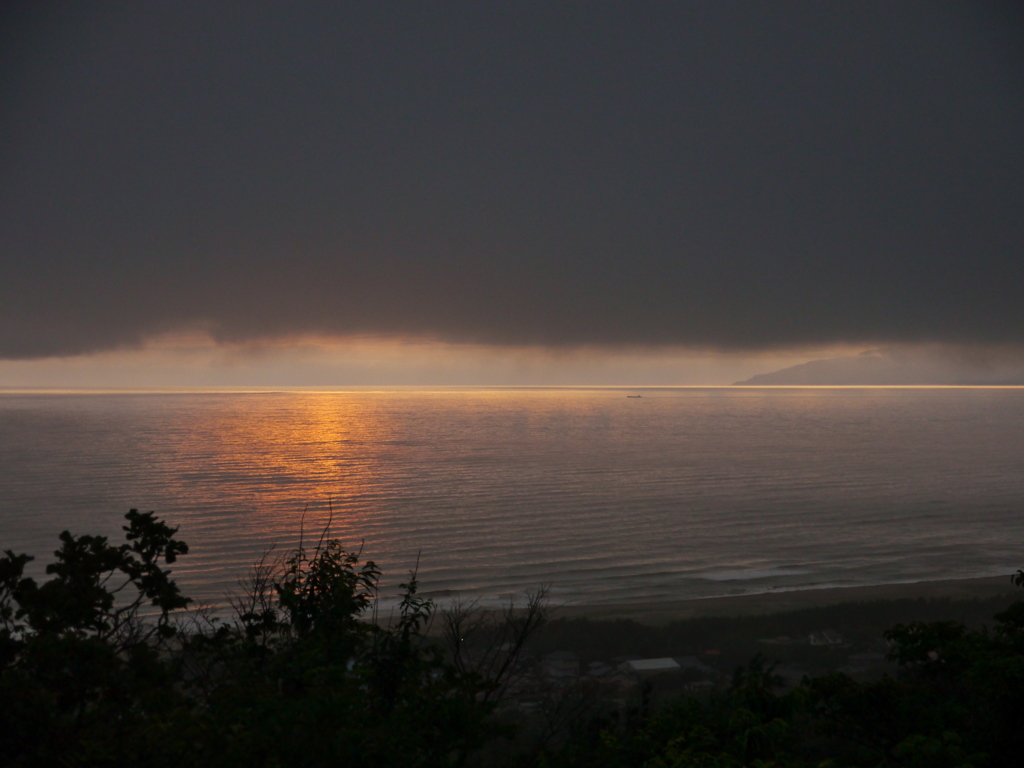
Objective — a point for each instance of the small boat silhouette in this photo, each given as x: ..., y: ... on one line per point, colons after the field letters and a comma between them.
x: 634, y: 395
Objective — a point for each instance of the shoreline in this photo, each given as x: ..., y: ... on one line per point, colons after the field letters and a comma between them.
x: 664, y: 612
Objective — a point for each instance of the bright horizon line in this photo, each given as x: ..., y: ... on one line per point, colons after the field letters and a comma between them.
x: 99, y: 390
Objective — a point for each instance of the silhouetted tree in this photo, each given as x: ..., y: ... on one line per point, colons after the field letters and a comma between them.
x: 94, y: 669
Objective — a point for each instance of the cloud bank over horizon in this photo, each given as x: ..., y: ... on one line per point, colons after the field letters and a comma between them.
x: 732, y: 177
x: 195, y: 361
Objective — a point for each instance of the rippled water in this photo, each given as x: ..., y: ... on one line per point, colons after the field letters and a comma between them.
x: 680, y: 493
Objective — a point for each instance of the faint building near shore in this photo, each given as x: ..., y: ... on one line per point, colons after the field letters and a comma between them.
x: 650, y: 666
x: 693, y: 664
x: 560, y: 664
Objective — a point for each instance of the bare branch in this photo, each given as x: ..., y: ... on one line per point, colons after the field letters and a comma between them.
x: 491, y: 643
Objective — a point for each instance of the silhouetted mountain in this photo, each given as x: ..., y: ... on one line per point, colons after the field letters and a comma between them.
x: 895, y: 367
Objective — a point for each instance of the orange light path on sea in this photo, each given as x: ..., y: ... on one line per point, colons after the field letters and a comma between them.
x: 304, y: 460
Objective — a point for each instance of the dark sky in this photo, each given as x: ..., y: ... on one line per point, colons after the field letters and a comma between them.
x: 725, y: 175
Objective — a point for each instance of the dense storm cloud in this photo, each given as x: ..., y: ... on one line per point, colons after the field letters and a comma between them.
x: 728, y: 175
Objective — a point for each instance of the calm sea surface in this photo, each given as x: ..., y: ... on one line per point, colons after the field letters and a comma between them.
x: 679, y: 493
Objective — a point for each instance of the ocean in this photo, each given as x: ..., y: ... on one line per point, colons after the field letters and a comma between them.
x: 680, y: 493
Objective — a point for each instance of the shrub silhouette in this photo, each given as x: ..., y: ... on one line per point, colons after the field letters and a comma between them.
x: 95, y: 668
x: 102, y: 665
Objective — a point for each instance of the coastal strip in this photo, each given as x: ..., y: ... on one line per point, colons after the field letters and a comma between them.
x: 662, y: 612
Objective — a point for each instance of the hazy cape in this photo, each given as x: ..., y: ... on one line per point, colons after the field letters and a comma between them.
x: 896, y: 367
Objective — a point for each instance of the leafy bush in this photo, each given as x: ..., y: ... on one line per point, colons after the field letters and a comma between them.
x: 101, y: 664
x: 94, y: 668
x: 957, y: 702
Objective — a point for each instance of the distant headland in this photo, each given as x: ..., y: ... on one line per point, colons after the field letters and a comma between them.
x: 893, y: 367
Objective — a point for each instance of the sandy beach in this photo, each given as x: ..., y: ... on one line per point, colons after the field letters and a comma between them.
x: 783, y: 602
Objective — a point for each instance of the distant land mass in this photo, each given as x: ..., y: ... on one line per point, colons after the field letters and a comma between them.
x: 888, y: 367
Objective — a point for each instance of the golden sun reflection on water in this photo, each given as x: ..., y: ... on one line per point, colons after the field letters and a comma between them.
x: 303, y: 454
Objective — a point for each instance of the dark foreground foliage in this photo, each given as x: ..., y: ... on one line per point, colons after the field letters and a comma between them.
x: 957, y: 702
x: 95, y: 670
